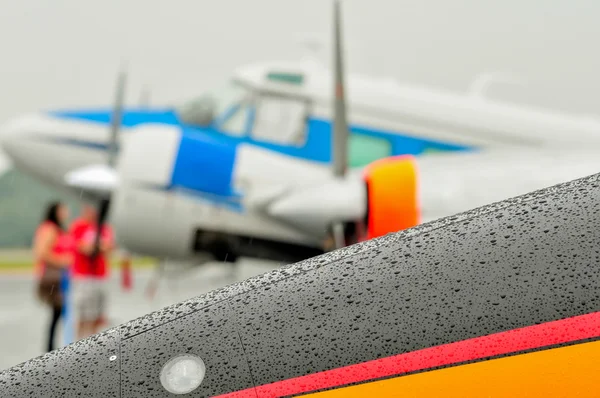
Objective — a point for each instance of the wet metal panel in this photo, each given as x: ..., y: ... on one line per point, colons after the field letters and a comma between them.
x: 82, y: 369
x: 209, y: 334
x: 513, y: 267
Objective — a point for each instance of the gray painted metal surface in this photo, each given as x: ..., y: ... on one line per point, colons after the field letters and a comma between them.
x: 512, y: 264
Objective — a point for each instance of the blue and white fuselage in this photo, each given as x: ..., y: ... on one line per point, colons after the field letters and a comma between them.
x: 267, y: 131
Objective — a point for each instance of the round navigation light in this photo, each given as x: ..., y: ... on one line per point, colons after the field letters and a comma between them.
x: 182, y: 374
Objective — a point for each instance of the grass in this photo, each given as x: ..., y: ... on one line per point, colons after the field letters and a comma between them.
x: 25, y: 265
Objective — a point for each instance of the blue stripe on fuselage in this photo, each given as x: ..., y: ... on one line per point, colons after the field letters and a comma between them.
x: 317, y: 147
x: 206, y: 156
x: 204, y: 164
x: 131, y: 117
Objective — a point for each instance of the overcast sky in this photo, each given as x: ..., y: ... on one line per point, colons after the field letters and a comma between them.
x: 59, y: 53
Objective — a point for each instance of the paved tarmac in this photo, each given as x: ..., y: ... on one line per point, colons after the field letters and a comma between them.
x: 23, y: 320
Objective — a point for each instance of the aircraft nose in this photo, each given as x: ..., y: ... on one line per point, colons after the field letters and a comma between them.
x: 24, y: 138
x: 14, y: 131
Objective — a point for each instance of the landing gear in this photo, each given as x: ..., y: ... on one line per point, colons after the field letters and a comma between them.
x: 223, y: 251
x: 222, y: 247
x: 229, y: 248
x: 336, y: 237
x: 344, y: 234
x: 339, y: 235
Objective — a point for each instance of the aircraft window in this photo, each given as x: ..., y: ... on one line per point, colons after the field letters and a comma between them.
x: 365, y: 149
x: 280, y: 120
x: 237, y: 123
x: 204, y: 110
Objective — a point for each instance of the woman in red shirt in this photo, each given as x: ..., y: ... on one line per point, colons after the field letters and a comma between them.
x: 90, y: 275
x: 53, y: 251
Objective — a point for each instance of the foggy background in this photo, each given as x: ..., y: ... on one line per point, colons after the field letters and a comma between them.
x: 64, y: 53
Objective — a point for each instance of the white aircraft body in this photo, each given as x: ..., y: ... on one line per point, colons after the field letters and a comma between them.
x: 300, y: 202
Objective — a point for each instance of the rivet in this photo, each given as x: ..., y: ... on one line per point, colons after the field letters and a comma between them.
x: 112, y: 358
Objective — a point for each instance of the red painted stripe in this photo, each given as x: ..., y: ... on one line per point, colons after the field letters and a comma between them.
x: 527, y: 338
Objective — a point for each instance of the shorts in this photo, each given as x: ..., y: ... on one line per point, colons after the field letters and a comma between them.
x: 89, y: 298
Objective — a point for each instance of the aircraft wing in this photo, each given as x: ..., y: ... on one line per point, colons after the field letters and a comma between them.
x: 488, y: 292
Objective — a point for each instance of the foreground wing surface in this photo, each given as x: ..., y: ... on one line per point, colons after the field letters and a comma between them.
x: 502, y: 300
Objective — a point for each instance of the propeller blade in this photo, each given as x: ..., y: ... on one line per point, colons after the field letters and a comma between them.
x: 117, y: 117
x: 102, y: 215
x: 340, y: 122
x: 339, y: 238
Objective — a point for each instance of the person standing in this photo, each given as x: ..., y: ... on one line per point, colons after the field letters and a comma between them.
x: 52, y: 249
x: 126, y: 277
x: 90, y: 273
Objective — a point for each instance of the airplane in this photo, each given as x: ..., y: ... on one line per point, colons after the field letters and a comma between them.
x: 501, y: 300
x: 180, y: 183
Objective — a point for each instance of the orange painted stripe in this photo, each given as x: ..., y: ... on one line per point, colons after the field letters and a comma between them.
x: 572, y: 371
x: 393, y: 196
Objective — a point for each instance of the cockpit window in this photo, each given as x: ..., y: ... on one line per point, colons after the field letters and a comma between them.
x: 235, y: 121
x: 212, y: 106
x: 280, y: 120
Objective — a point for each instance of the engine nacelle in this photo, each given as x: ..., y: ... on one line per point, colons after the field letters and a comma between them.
x: 175, y: 200
x: 385, y: 200
x: 314, y: 209
x: 152, y: 223
x: 392, y: 192
x: 142, y: 209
